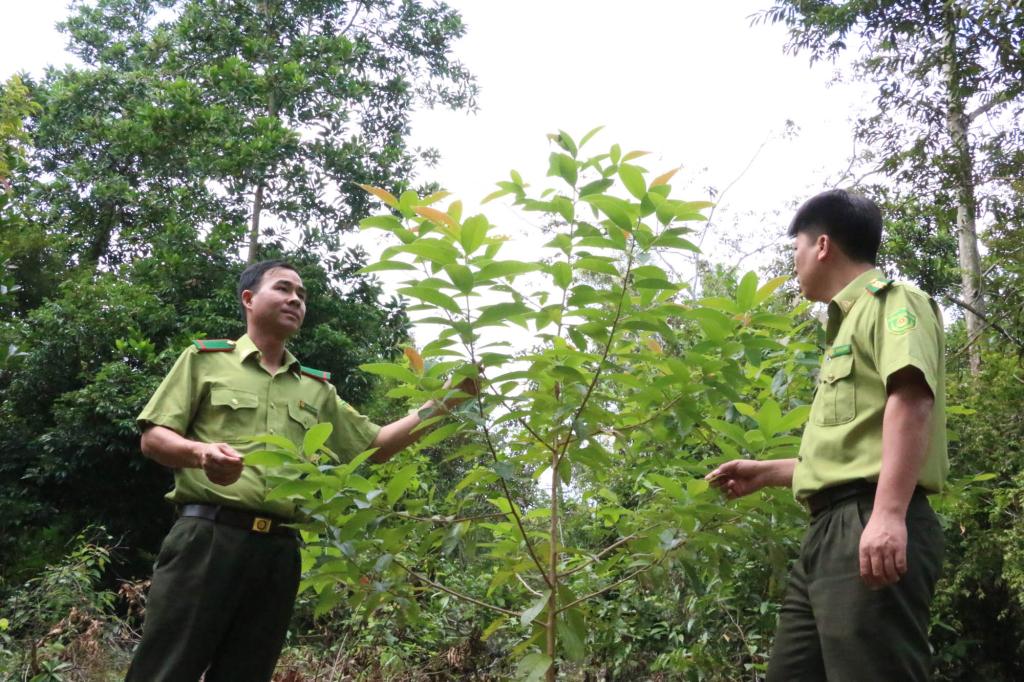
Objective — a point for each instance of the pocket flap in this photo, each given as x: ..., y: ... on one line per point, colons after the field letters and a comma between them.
x: 233, y: 398
x: 837, y: 368
x: 301, y: 412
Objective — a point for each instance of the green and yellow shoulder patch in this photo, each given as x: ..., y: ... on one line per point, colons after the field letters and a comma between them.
x: 876, y: 286
x: 901, y: 321
x: 318, y: 374
x: 214, y: 345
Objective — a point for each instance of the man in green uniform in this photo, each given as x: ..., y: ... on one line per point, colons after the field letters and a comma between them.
x: 227, y: 573
x: 857, y: 605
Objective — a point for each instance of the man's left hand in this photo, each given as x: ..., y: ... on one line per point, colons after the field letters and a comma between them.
x: 883, y: 550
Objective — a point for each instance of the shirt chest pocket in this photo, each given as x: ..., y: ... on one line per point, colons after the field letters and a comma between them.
x: 836, y: 399
x: 304, y: 414
x: 233, y: 413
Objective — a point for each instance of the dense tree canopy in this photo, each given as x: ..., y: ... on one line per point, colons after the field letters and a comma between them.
x: 946, y: 133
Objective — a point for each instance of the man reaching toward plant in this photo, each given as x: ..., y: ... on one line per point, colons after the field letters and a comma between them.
x: 857, y: 605
x: 227, y: 573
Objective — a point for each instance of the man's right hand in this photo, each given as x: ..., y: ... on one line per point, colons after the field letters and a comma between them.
x: 222, y: 463
x: 741, y: 477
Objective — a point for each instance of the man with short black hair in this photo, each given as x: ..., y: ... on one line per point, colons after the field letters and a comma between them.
x: 226, y: 577
x: 857, y: 606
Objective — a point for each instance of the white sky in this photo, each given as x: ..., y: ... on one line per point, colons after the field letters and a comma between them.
x: 689, y: 80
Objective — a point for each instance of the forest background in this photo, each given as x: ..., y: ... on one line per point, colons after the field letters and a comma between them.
x: 561, y: 527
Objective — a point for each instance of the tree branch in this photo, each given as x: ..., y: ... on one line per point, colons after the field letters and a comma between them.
x: 987, y: 320
x: 454, y: 593
x: 997, y: 99
x: 600, y: 555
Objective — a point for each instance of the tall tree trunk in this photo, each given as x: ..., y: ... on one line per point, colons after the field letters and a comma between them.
x: 257, y: 200
x: 268, y: 9
x: 254, y: 227
x: 966, y: 209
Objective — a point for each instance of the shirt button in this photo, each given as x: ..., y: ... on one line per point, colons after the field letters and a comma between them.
x: 271, y: 431
x: 234, y: 401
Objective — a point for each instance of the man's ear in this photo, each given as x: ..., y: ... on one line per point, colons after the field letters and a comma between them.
x: 824, y: 245
x: 247, y: 298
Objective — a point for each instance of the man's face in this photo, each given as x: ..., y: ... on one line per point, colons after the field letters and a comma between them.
x: 808, y: 265
x: 278, y: 305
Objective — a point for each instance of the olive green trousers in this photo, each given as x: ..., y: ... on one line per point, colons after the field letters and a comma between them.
x: 219, y: 603
x: 833, y: 627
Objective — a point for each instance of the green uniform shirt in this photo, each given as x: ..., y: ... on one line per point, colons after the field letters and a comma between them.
x: 874, y: 329
x: 228, y: 397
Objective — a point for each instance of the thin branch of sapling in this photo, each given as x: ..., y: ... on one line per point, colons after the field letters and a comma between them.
x: 591, y: 560
x: 454, y: 593
x: 471, y: 348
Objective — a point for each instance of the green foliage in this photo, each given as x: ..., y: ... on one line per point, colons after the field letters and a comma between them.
x: 192, y: 118
x: 944, y: 135
x: 60, y: 625
x: 15, y: 106
x: 979, y: 609
x: 585, y: 468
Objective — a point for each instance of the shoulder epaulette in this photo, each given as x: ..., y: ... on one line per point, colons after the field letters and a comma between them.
x: 317, y: 374
x: 877, y: 286
x: 214, y: 345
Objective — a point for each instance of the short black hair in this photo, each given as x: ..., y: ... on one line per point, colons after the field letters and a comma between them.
x: 851, y: 220
x: 252, y: 277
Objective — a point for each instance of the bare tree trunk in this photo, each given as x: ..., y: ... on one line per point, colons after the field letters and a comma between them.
x: 254, y: 228
x: 966, y: 210
x: 257, y: 201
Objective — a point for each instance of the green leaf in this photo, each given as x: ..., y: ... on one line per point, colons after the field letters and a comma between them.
x: 563, y: 166
x: 461, y: 276
x: 572, y: 633
x: 399, y: 483
x: 633, y: 178
x: 795, y: 418
x: 433, y: 250
x: 439, y: 434
x: 669, y: 485
x: 391, y: 371
x: 988, y: 476
x: 432, y: 296
x: 533, y: 667
x: 267, y: 458
x: 506, y: 268
x: 474, y: 231
x: 495, y: 625
x: 316, y: 437
x: 586, y: 138
x: 768, y: 288
x: 386, y: 265
x: 561, y: 273
x: 529, y: 614
x: 500, y: 312
x: 617, y: 210
x: 746, y: 290
x: 279, y: 441
x: 601, y: 265
x: 769, y: 417
x: 596, y: 187
x: 566, y: 143
x: 696, y: 486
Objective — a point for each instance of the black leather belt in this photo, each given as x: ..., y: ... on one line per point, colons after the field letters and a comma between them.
x: 830, y: 497
x: 267, y: 525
